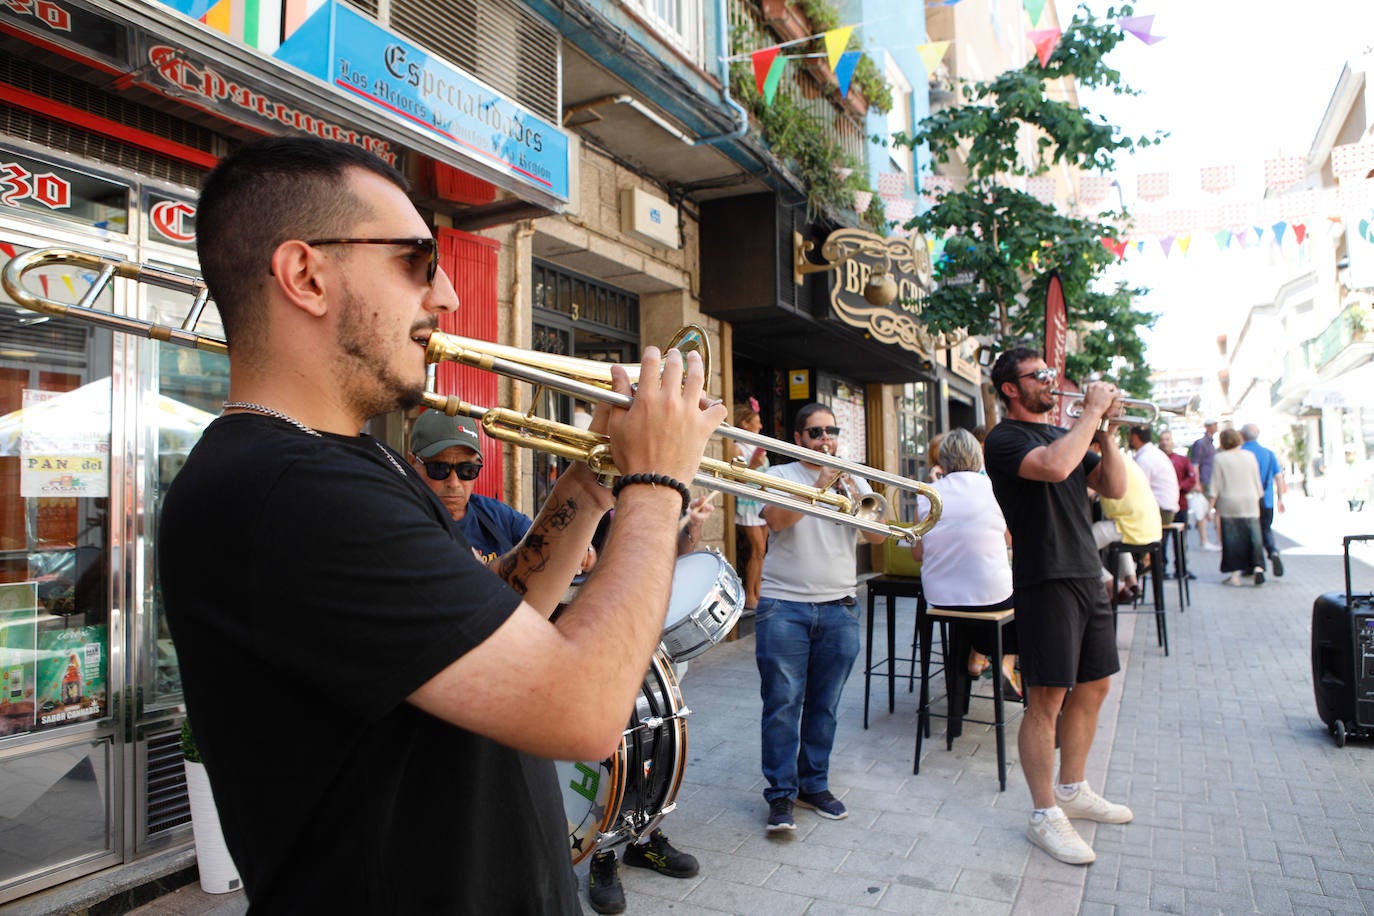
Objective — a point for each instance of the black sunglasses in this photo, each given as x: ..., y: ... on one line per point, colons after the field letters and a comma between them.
x: 815, y: 432
x: 439, y: 470
x: 427, y: 247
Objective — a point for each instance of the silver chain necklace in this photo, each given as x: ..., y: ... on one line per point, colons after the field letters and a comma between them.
x: 277, y: 414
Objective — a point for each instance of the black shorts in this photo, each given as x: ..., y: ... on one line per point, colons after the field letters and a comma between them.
x: 1065, y: 633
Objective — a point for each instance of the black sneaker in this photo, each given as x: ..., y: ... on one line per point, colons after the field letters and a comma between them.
x: 780, y: 815
x: 1277, y: 563
x: 824, y: 804
x: 603, y: 884
x: 661, y: 856
x: 1259, y: 577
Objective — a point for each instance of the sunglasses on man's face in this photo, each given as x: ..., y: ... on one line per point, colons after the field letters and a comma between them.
x: 439, y: 470
x: 1041, y: 375
x: 426, y: 251
x: 816, y: 432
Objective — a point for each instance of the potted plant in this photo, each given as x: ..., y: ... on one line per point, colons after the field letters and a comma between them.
x: 218, y: 875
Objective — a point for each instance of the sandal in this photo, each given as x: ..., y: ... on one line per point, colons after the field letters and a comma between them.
x: 978, y: 663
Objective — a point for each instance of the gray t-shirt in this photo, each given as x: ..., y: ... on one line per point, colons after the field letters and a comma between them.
x: 815, y: 559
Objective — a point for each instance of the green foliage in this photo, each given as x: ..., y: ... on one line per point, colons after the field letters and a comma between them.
x: 1002, y: 243
x: 188, y: 743
x: 799, y: 139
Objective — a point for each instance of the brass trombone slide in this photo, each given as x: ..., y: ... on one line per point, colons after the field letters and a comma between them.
x: 587, y: 379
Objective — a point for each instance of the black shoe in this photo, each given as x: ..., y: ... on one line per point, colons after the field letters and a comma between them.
x: 1277, y: 563
x: 603, y: 884
x: 660, y: 855
x: 824, y: 804
x: 780, y: 815
x: 1191, y: 577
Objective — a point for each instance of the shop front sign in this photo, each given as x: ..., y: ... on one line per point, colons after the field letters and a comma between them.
x: 354, y: 54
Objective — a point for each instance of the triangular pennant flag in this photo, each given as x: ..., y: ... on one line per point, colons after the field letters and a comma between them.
x: 1044, y: 41
x: 770, y: 85
x: 1299, y: 231
x: 1035, y: 9
x: 844, y: 70
x: 836, y: 40
x: 1108, y: 243
x: 932, y: 54
x: 1259, y: 233
x: 1139, y: 26
x: 1166, y: 244
x: 219, y: 17
x: 1279, y: 229
x: 937, y: 250
x: 1140, y: 246
x: 1183, y: 242
x: 1222, y: 237
x: 763, y: 63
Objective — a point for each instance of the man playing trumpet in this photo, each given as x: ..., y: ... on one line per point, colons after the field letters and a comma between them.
x: 1040, y: 475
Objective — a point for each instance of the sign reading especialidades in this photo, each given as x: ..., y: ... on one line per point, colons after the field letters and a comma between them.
x: 358, y: 56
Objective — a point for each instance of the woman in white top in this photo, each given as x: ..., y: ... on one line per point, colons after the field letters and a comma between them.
x: 1234, y: 494
x: 964, y: 558
x: 747, y: 517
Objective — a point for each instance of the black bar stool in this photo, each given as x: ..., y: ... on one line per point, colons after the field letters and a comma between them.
x: 891, y: 588
x: 994, y: 620
x: 1155, y: 551
x: 1177, y: 532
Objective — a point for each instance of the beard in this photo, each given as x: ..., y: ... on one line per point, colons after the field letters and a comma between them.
x: 371, y: 382
x: 1041, y: 402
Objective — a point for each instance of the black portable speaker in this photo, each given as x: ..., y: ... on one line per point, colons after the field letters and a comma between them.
x: 1343, y: 657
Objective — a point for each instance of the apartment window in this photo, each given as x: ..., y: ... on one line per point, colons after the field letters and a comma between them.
x: 677, y: 21
x: 899, y: 119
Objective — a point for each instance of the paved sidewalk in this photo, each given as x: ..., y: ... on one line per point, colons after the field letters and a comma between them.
x: 1243, y: 802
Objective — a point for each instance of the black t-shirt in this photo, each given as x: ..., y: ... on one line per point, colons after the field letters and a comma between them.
x: 310, y: 588
x: 1050, y: 523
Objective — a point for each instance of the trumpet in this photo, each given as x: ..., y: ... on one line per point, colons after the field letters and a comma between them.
x: 1149, y: 410
x: 583, y: 378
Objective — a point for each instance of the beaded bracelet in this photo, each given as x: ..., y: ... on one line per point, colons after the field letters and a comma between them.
x: 653, y: 480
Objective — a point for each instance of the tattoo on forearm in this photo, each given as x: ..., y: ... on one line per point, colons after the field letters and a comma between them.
x: 561, y: 517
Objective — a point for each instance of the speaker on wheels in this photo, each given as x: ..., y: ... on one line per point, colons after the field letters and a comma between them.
x: 1343, y: 657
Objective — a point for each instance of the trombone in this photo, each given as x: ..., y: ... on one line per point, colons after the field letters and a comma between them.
x: 1149, y: 410
x: 583, y: 378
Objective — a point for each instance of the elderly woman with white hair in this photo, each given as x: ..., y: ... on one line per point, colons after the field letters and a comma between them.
x: 964, y: 558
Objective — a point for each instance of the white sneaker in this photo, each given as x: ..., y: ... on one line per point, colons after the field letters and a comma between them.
x: 1211, y: 548
x: 1054, y: 834
x: 1088, y: 805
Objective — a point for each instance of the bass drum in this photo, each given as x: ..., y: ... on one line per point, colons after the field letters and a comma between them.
x: 627, y: 794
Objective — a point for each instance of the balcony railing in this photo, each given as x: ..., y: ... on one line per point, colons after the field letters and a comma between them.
x: 1345, y: 329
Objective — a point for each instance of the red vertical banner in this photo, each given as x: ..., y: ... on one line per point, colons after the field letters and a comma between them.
x: 470, y: 262
x: 1057, y: 336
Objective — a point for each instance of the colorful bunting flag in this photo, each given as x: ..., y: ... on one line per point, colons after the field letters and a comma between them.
x: 1044, y: 41
x: 1279, y: 229
x: 844, y: 70
x: 770, y: 83
x: 763, y: 63
x: 1282, y: 172
x: 1299, y: 232
x: 836, y: 40
x: 1222, y: 238
x: 1034, y: 9
x: 1166, y: 243
x: 931, y: 55
x: 1183, y: 242
x: 1140, y: 26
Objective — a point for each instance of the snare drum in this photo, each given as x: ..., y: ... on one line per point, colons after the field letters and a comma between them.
x: 706, y: 602
x: 628, y: 793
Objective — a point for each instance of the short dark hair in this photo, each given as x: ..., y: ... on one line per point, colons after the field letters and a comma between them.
x: 805, y: 413
x: 1143, y: 433
x: 266, y: 193
x: 1008, y: 367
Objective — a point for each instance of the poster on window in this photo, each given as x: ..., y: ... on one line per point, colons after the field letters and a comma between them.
x: 18, y: 642
x: 71, y: 675
x: 847, y: 404
x: 64, y: 442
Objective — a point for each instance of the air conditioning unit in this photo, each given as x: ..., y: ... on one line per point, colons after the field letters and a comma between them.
x: 651, y: 220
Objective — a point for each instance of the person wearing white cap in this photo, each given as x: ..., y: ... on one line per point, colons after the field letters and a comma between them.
x: 447, y: 452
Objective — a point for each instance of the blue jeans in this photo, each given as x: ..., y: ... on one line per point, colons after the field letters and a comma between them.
x: 805, y: 652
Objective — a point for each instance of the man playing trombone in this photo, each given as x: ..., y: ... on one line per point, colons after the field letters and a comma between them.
x: 1040, y: 474
x: 404, y: 762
